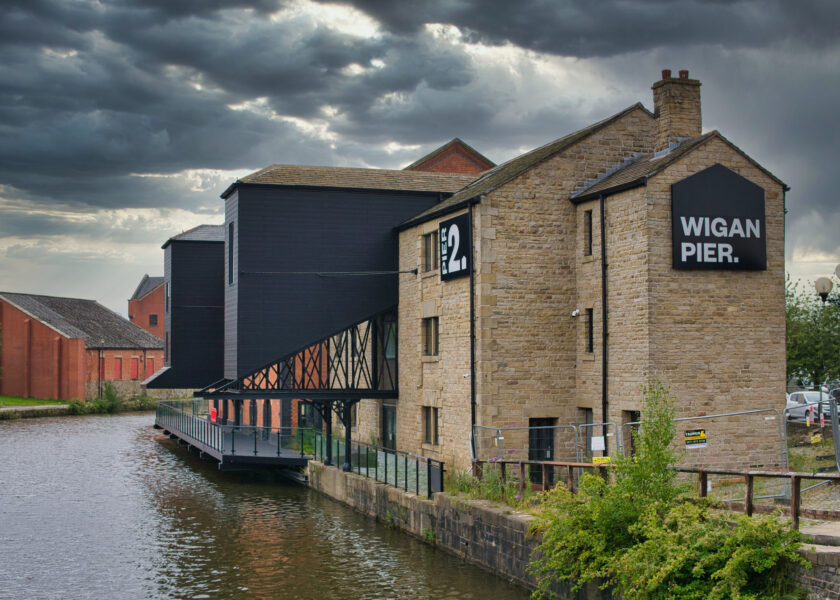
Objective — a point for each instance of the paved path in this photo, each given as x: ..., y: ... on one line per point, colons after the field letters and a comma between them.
x: 28, y: 412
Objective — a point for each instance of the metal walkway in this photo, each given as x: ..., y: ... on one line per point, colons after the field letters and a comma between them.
x: 235, y: 447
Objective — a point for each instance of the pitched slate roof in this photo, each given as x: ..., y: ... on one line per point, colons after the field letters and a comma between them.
x: 475, y: 154
x: 498, y: 176
x: 147, y: 284
x: 638, y: 171
x: 348, y: 177
x: 87, y: 319
x: 199, y: 233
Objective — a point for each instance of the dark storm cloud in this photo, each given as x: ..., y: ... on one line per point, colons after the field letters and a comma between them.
x: 584, y: 28
x: 94, y: 92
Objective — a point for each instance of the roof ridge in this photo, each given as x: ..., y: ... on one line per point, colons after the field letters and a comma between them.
x: 441, y: 149
x: 47, y: 296
x: 584, y: 132
x: 332, y: 167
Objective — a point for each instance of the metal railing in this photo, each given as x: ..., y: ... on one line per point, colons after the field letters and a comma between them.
x: 190, y: 418
x: 172, y: 416
x: 749, y: 508
x: 411, y: 472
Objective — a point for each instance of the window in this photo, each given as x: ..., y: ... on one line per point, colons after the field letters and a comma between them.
x: 430, y: 336
x: 117, y: 367
x: 390, y: 339
x: 587, y: 233
x: 631, y: 416
x: 167, y: 292
x: 430, y: 425
x: 166, y: 358
x: 135, y: 367
x: 430, y: 252
x: 230, y: 254
x: 590, y: 331
x: 153, y: 318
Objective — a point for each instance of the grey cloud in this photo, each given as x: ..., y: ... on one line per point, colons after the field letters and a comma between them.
x: 584, y: 28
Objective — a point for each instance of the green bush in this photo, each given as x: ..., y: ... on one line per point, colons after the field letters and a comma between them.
x: 111, y: 403
x: 643, y: 540
x: 694, y: 553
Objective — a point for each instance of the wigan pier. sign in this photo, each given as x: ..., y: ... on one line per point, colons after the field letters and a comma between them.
x: 718, y: 222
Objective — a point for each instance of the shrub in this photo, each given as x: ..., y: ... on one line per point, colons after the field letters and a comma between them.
x: 110, y: 401
x: 641, y: 539
x: 694, y: 553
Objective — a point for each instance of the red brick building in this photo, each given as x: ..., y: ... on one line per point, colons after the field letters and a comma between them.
x: 66, y: 348
x: 145, y: 307
x: 453, y: 157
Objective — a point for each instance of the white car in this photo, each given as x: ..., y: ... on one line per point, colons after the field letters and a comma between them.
x: 806, y: 404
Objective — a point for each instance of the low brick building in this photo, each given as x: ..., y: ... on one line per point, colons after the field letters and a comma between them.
x: 145, y: 307
x: 68, y: 348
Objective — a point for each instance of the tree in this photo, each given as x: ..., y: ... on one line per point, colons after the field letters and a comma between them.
x: 813, y: 335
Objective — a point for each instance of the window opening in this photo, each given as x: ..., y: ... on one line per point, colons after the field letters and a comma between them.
x: 587, y: 233
x: 430, y: 336
x: 430, y: 252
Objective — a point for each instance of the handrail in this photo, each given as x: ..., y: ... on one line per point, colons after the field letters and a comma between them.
x: 363, y: 452
x: 795, y: 478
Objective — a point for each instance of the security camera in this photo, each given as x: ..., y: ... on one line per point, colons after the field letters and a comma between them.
x: 466, y: 375
x: 576, y: 313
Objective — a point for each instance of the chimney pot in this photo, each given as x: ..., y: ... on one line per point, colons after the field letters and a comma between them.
x: 666, y: 73
x: 684, y: 74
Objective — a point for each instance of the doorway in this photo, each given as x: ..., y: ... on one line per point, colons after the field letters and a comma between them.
x: 541, y: 447
x: 389, y: 426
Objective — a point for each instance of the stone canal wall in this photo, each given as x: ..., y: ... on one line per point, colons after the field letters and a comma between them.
x: 496, y: 538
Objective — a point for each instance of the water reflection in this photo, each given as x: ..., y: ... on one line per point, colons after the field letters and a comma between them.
x: 96, y: 507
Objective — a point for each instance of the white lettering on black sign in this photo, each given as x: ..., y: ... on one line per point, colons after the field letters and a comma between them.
x: 455, y: 247
x: 718, y: 222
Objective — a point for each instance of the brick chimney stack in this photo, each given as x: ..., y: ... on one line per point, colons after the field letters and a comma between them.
x: 676, y: 108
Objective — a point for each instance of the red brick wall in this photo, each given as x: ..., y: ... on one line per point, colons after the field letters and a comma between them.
x: 150, y: 304
x: 110, y: 356
x: 453, y: 160
x: 37, y: 361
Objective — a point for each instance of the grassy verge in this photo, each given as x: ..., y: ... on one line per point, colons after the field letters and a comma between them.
x: 17, y: 401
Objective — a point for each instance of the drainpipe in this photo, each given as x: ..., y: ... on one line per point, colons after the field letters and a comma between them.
x: 604, y: 364
x: 472, y: 333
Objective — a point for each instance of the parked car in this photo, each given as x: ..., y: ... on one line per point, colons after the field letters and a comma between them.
x: 805, y: 404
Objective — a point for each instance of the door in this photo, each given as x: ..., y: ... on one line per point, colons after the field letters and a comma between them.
x: 541, y: 447
x: 389, y: 426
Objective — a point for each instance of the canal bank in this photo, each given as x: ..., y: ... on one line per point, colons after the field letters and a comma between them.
x: 497, y: 538
x: 8, y: 413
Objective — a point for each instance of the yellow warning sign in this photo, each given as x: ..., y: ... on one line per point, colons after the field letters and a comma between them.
x: 695, y: 438
x: 600, y: 460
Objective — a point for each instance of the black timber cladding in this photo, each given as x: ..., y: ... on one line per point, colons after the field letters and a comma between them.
x: 231, y: 305
x: 194, y: 269
x: 305, y: 265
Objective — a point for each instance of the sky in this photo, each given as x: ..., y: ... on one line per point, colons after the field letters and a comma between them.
x: 122, y: 121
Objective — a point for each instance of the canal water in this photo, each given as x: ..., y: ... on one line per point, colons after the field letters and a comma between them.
x: 100, y: 507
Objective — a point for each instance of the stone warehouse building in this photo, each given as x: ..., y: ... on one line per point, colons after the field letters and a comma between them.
x: 68, y: 348
x: 538, y: 293
x: 583, y: 283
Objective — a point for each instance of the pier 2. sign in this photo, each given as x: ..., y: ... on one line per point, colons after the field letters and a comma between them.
x: 455, y: 247
x: 718, y: 222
